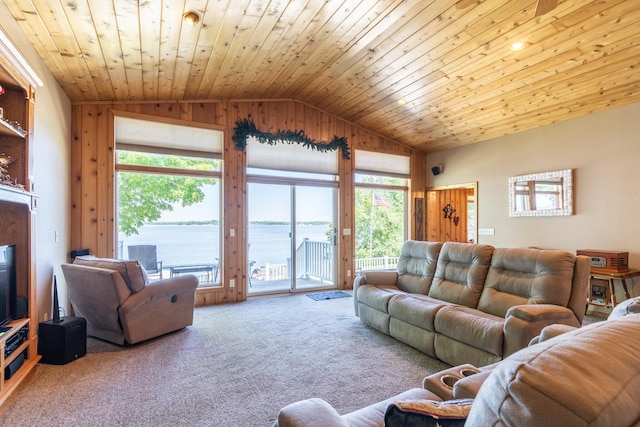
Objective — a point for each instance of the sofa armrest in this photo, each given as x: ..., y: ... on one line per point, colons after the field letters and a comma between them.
x: 550, y: 313
x: 525, y: 322
x: 312, y: 412
x: 379, y: 277
x: 373, y: 277
x: 160, y: 289
x: 443, y: 383
x: 468, y: 387
x: 552, y: 331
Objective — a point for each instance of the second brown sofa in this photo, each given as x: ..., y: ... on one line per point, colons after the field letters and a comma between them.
x: 470, y: 303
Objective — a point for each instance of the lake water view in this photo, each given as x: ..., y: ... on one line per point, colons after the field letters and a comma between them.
x: 199, y: 244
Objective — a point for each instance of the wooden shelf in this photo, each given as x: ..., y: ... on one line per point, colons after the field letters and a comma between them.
x: 15, y: 195
x: 30, y: 362
x: 604, y: 282
x: 10, y: 385
x: 8, y: 130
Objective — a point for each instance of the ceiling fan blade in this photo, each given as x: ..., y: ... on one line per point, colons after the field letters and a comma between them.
x: 465, y: 3
x: 544, y: 6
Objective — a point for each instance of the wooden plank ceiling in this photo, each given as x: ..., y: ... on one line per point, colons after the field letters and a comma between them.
x: 449, y: 64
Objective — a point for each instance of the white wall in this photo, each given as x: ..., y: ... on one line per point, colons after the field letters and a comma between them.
x: 51, y: 170
x: 604, y: 151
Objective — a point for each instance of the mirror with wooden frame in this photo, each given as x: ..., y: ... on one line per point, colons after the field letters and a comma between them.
x: 541, y: 194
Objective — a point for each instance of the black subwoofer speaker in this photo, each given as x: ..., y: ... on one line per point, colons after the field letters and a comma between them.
x: 62, y: 341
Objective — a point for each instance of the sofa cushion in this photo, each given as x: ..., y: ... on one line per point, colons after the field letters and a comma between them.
x: 526, y: 276
x: 414, y: 336
x: 587, y: 377
x: 417, y: 265
x: 377, y: 296
x: 461, y: 273
x: 473, y: 327
x: 417, y: 310
x: 131, y: 271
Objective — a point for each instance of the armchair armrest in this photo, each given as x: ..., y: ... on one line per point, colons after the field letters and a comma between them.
x: 160, y: 307
x: 312, y: 412
x: 524, y: 322
x: 160, y: 289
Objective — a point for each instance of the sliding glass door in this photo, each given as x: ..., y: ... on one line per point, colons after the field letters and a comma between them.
x: 291, y: 236
x: 315, y: 237
x: 270, y: 234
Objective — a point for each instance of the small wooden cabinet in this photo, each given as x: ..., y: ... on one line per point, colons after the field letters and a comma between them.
x: 17, y: 223
x: 602, y: 290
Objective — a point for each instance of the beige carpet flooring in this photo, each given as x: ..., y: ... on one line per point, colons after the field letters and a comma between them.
x: 236, y: 366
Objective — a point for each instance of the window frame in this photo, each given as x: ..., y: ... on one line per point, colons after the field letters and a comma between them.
x: 147, y: 148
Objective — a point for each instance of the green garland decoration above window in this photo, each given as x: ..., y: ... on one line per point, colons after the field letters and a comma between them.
x: 246, y: 128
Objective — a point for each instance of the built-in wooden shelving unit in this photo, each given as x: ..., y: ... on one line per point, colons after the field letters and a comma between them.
x: 17, y: 226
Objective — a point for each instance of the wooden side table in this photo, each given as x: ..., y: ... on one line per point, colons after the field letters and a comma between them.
x: 601, y: 287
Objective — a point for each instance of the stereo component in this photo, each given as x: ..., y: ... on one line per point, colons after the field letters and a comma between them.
x: 15, y: 364
x: 606, y: 261
x: 15, y: 341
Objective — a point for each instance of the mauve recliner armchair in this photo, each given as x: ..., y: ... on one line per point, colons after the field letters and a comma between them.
x: 121, y: 305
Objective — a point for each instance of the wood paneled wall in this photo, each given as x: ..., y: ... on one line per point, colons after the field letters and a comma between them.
x: 92, y: 185
x: 455, y: 227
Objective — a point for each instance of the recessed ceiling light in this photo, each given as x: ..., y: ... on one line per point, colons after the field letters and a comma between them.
x: 517, y: 46
x: 191, y: 18
x: 401, y: 102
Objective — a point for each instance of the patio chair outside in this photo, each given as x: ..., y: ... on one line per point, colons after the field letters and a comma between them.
x: 148, y: 257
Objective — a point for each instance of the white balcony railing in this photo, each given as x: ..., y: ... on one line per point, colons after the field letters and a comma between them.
x: 379, y: 263
x: 315, y: 260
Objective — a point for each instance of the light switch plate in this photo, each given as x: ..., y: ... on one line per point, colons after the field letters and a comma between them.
x: 487, y: 231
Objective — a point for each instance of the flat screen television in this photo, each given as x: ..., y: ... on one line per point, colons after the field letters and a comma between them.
x: 8, y: 283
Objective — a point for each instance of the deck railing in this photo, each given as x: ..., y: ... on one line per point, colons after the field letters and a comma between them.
x: 378, y: 263
x: 314, y: 260
x: 277, y: 271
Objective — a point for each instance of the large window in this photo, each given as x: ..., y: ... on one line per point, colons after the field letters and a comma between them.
x: 168, y: 184
x: 380, y: 209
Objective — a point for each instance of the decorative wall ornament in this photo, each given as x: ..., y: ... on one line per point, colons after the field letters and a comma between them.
x: 5, y: 178
x: 246, y: 128
x: 448, y: 211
